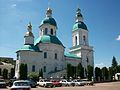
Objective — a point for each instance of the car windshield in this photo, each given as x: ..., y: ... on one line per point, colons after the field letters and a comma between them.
x: 21, y: 84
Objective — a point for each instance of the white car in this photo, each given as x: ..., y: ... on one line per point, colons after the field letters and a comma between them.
x: 65, y: 82
x: 78, y: 82
x: 45, y: 83
x: 21, y: 85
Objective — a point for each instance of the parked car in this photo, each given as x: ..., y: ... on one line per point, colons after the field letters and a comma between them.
x: 78, y: 82
x: 56, y: 83
x: 32, y: 83
x: 2, y: 83
x: 45, y: 83
x: 21, y: 85
x: 65, y: 82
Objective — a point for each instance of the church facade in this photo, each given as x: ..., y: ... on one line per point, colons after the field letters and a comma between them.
x: 47, y: 52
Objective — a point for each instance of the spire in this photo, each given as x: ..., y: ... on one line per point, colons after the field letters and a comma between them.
x: 29, y: 28
x: 79, y: 16
x: 49, y: 12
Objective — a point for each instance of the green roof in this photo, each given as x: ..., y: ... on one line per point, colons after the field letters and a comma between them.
x: 78, y: 25
x: 49, y: 20
x: 30, y: 47
x: 48, y: 39
x: 71, y: 55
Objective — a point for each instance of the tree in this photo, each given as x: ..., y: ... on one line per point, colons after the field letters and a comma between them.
x: 12, y: 73
x: 105, y: 73
x: 111, y: 73
x: 98, y: 74
x: 0, y: 71
x: 23, y: 71
x: 80, y: 70
x: 89, y: 72
x: 5, y: 73
x: 40, y: 73
x: 34, y: 76
x: 114, y: 62
x: 69, y: 71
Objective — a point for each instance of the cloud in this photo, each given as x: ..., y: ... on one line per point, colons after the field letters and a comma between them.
x: 13, y: 5
x: 118, y: 38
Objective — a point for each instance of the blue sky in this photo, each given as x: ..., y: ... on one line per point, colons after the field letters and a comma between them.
x: 100, y: 16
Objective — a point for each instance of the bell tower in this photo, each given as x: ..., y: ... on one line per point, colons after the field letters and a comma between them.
x: 80, y: 43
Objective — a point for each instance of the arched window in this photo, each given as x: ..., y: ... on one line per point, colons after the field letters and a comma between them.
x: 84, y: 40
x: 46, y: 30
x: 44, y: 69
x: 45, y: 54
x: 75, y: 40
x: 55, y: 55
x: 33, y: 68
x: 51, y: 31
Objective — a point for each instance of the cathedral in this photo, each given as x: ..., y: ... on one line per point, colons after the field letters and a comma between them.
x: 47, y: 52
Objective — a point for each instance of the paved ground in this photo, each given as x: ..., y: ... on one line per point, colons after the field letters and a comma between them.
x: 99, y: 86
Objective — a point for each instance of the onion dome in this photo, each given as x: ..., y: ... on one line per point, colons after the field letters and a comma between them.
x: 48, y: 39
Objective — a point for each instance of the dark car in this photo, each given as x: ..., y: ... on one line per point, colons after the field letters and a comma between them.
x: 2, y: 83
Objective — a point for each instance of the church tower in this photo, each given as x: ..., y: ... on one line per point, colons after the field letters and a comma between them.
x: 80, y: 43
x: 48, y: 26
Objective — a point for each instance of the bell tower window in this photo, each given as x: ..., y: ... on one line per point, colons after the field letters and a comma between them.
x: 75, y: 40
x: 46, y: 30
x: 51, y: 31
x: 84, y: 40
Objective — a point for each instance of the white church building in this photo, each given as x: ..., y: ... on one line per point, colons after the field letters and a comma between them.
x: 47, y: 52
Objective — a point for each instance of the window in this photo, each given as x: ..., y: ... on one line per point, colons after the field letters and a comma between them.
x: 46, y: 30
x: 51, y: 31
x: 55, y: 69
x: 75, y: 40
x: 84, y: 40
x: 33, y: 68
x: 44, y: 68
x: 55, y: 55
x: 17, y: 56
x: 45, y: 54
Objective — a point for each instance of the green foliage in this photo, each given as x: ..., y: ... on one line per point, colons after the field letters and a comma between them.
x: 34, y: 76
x: 98, y: 74
x: 5, y: 73
x: 23, y: 71
x: 12, y: 73
x: 69, y: 71
x: 7, y: 60
x: 80, y: 70
x: 0, y: 71
x: 41, y: 73
x: 105, y: 73
x: 89, y: 72
x: 114, y: 62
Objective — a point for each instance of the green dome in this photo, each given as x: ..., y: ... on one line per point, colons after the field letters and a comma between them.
x: 48, y: 39
x: 30, y: 47
x: 78, y: 25
x: 49, y: 20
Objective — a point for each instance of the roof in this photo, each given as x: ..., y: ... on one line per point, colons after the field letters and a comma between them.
x: 78, y: 25
x: 49, y: 20
x: 30, y: 47
x: 71, y: 55
x: 48, y: 39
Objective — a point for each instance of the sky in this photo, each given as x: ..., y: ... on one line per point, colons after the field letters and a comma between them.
x: 102, y: 18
